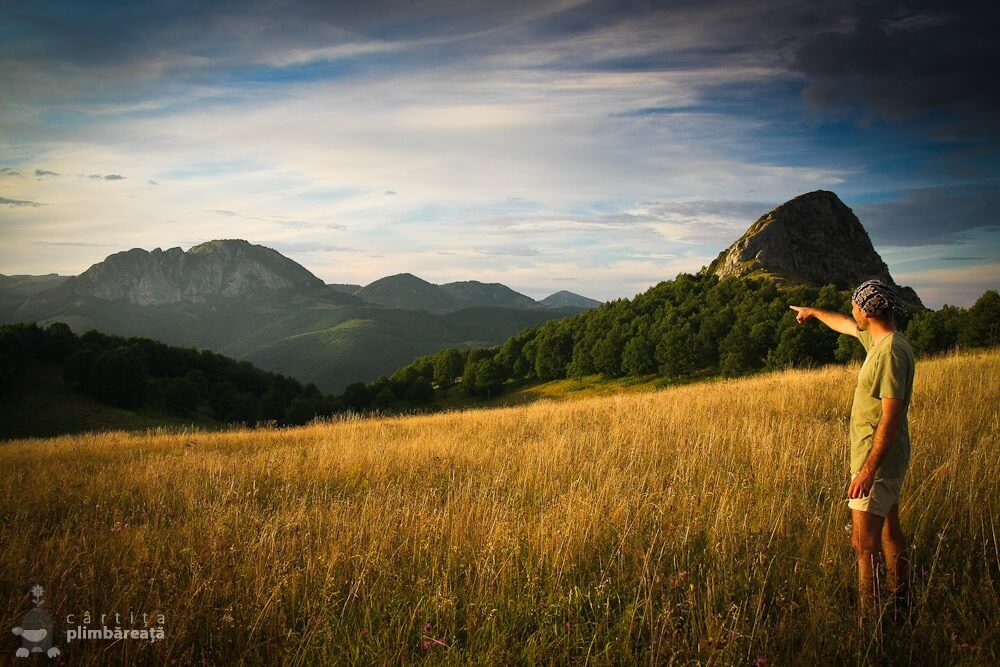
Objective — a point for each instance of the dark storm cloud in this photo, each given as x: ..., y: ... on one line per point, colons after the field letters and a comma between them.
x: 939, y: 215
x: 904, y: 60
x: 18, y: 203
x: 887, y: 57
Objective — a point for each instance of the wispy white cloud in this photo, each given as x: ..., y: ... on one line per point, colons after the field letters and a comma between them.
x: 546, y: 145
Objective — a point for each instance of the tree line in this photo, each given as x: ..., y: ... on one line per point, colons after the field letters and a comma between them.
x: 138, y: 372
x: 689, y: 327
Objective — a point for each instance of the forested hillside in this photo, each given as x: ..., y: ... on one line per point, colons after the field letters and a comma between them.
x: 138, y: 373
x: 692, y: 326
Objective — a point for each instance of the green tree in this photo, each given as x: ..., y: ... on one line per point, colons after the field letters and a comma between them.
x: 222, y: 399
x: 420, y: 391
x: 553, y: 350
x: 181, y: 395
x: 357, y: 397
x: 982, y: 325
x: 488, y: 377
x: 78, y: 367
x: 448, y: 366
x: 8, y: 375
x: 301, y: 410
x: 119, y: 378
x: 244, y: 409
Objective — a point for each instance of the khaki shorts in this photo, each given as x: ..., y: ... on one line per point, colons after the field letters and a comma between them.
x: 881, y: 497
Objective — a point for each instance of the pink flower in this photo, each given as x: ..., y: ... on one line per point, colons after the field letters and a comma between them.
x: 760, y: 662
x: 428, y: 626
x: 426, y: 644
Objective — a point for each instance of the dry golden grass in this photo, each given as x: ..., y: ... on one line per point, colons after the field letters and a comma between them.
x: 699, y: 524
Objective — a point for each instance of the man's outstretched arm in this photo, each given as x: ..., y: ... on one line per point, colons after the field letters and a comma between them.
x: 839, y: 323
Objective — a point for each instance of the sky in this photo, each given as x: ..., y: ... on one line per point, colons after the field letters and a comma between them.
x: 598, y: 147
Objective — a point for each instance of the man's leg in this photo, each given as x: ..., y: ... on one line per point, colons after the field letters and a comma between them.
x: 896, y: 558
x: 866, y: 538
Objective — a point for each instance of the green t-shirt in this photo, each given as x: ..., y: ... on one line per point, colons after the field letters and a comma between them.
x: 887, y: 372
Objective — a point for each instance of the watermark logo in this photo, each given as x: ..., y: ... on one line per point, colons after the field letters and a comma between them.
x: 35, y: 630
x: 37, y: 633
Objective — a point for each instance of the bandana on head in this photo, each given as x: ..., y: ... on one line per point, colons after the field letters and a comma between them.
x: 876, y: 298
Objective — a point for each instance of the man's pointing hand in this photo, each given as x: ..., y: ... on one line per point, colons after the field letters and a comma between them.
x: 804, y: 313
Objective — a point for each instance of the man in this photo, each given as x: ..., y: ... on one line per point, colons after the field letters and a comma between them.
x: 879, y: 433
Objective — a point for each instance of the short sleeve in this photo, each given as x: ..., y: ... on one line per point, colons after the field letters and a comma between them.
x: 890, y: 377
x: 865, y: 338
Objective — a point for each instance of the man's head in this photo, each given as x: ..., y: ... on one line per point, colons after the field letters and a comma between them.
x: 874, y: 300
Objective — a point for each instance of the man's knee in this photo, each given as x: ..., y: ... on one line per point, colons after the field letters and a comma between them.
x: 894, y: 540
x: 866, y: 538
x: 866, y: 545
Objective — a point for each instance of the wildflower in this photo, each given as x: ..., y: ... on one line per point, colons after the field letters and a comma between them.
x: 760, y: 662
x: 426, y: 644
x: 428, y: 626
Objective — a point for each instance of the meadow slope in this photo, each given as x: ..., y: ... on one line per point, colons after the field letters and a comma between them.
x: 697, y: 524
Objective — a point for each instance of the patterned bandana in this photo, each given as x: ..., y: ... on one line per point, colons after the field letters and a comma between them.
x: 876, y: 299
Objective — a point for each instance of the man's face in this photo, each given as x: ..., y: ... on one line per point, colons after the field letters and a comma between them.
x: 859, y: 317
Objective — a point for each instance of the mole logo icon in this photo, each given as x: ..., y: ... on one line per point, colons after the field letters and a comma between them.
x: 36, y: 629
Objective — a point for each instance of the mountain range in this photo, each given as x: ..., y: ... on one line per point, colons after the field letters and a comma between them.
x: 251, y: 302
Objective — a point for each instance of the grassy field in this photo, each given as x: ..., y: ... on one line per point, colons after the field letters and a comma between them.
x: 702, y: 524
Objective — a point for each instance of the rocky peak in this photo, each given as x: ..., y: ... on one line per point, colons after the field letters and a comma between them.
x: 228, y: 267
x: 814, y: 238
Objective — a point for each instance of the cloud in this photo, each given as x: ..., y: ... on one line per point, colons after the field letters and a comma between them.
x: 107, y: 177
x: 41, y: 173
x: 933, y: 215
x: 900, y: 62
x: 638, y: 138
x: 309, y: 247
x: 956, y: 286
x: 509, y: 250
x: 74, y: 244
x: 7, y: 171
x: 4, y: 201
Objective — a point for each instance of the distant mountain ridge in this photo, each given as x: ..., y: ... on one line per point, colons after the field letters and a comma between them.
x: 405, y: 290
x: 814, y: 239
x: 228, y: 268
x: 565, y: 298
x: 250, y: 302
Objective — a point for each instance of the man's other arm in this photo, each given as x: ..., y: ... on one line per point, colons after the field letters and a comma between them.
x: 839, y: 323
x: 885, y: 433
